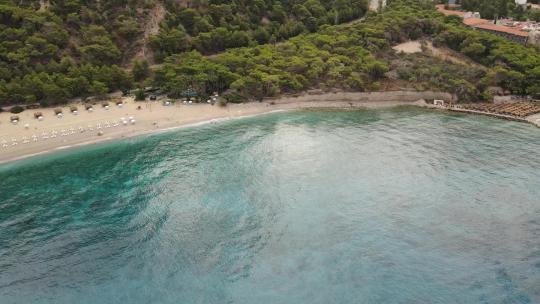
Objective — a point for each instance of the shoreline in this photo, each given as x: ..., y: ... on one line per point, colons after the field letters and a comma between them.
x: 82, y: 130
x: 141, y: 133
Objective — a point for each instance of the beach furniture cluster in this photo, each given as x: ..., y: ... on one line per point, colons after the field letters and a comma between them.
x: 516, y: 109
x: 71, y: 131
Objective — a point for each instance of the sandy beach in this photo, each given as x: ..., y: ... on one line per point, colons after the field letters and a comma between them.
x: 31, y: 137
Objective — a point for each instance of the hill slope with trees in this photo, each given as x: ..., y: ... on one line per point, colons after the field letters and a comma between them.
x: 359, y: 57
x: 250, y: 49
x: 51, y: 51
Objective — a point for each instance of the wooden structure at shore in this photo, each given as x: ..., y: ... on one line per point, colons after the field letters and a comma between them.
x: 520, y: 109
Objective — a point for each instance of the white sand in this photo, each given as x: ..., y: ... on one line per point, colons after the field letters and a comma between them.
x: 18, y: 142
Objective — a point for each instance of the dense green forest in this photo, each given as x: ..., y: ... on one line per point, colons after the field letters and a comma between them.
x: 248, y: 49
x: 65, y: 50
x: 215, y: 25
x: 358, y: 57
x: 51, y: 51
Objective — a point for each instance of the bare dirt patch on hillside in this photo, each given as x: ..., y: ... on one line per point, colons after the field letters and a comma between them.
x: 151, y: 27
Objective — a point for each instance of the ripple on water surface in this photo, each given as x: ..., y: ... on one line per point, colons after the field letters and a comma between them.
x: 398, y: 205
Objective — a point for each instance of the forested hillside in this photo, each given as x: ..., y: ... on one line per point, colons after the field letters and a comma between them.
x: 52, y: 52
x: 64, y: 49
x: 215, y: 25
x: 358, y: 57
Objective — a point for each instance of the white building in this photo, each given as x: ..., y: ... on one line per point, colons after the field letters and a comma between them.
x: 376, y: 5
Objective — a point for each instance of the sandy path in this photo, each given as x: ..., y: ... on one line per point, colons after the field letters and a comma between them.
x: 409, y: 47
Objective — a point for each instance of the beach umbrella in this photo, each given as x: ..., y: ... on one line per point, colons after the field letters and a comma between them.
x: 27, y: 126
x: 132, y: 121
x: 34, y: 137
x: 14, y: 142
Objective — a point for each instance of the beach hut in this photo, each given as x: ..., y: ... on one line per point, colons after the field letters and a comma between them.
x: 14, y: 119
x: 74, y: 110
x: 119, y: 103
x: 439, y: 102
x: 38, y: 116
x: 105, y: 105
x: 58, y: 112
x: 88, y: 107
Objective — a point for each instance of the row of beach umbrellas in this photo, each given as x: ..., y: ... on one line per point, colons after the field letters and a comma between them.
x: 60, y: 113
x: 67, y: 132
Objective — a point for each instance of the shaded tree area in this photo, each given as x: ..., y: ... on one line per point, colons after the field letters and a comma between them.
x: 356, y: 57
x: 213, y: 26
x: 47, y: 57
x: 71, y: 49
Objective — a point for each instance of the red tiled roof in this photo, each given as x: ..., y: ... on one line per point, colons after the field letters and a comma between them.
x: 474, y: 21
x: 503, y: 29
x: 483, y: 23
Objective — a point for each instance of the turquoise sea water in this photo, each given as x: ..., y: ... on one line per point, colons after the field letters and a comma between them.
x: 397, y: 205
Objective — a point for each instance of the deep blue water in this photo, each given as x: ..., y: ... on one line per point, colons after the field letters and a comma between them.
x: 398, y: 205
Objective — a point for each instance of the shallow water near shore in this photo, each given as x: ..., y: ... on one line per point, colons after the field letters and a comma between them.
x: 400, y: 205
